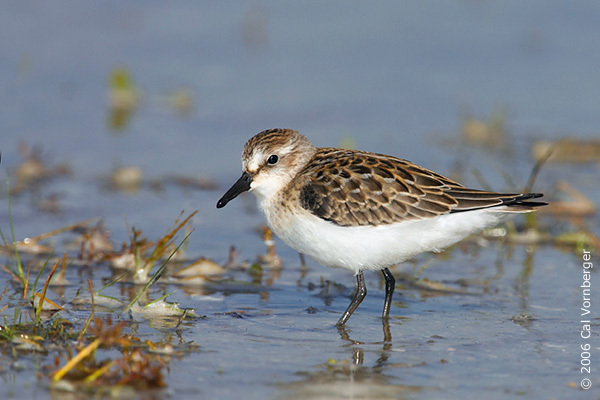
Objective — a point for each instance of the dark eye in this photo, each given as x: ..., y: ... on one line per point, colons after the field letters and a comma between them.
x: 273, y: 159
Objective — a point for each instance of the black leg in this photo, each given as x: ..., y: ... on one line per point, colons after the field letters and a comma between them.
x: 359, y: 295
x: 390, y: 283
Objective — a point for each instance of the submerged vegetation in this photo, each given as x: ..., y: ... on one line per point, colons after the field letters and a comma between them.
x: 88, y: 337
x: 77, y: 345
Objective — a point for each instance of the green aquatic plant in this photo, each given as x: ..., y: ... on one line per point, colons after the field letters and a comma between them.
x: 18, y: 272
x: 159, y: 251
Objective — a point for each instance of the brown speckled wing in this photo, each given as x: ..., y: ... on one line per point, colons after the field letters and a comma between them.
x: 353, y: 188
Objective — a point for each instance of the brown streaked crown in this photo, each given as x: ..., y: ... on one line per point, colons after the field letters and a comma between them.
x: 272, y: 139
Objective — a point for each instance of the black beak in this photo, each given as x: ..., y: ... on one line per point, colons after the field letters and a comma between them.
x: 242, y: 185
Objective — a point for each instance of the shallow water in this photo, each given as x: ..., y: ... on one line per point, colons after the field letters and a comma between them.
x: 394, y: 78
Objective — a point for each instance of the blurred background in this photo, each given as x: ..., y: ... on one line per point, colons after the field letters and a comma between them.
x: 134, y: 111
x: 177, y: 88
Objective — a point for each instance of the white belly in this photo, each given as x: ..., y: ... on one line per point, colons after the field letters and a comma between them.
x: 374, y: 247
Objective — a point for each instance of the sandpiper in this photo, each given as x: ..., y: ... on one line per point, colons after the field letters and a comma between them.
x: 360, y: 210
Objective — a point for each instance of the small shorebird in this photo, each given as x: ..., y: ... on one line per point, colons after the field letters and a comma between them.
x: 359, y: 210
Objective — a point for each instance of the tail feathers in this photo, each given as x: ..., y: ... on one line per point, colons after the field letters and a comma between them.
x: 501, y: 202
x: 521, y: 204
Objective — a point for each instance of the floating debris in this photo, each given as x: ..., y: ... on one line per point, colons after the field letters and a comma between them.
x: 578, y: 239
x: 162, y: 250
x: 489, y: 134
x: 195, y: 280
x: 32, y: 245
x: 122, y: 92
x: 579, y: 205
x: 567, y: 150
x: 94, y: 244
x: 29, y: 246
x: 128, y: 178
x: 270, y: 259
x: 181, y: 100
x: 99, y: 300
x: 202, y: 266
x: 60, y: 279
x: 131, y: 256
x: 231, y: 258
x: 192, y: 182
x: 123, y: 98
x: 528, y: 236
x: 160, y: 309
x: 48, y: 304
x: 26, y: 343
x: 33, y: 169
x: 136, y: 368
x: 432, y: 286
x: 123, y: 261
x: 201, y: 272
x: 525, y: 320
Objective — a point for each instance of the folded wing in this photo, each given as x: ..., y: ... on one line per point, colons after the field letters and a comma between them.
x: 352, y: 188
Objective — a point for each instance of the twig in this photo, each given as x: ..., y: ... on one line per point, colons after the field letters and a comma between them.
x: 87, y: 322
x: 157, y: 275
x: 536, y: 170
x: 43, y: 296
x: 75, y: 360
